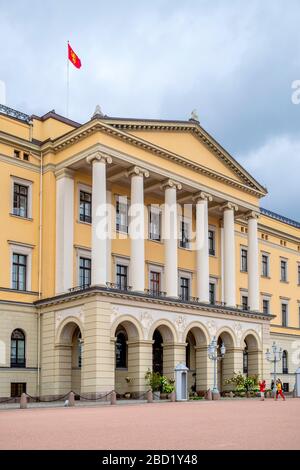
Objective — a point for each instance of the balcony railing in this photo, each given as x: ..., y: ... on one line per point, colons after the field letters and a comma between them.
x: 113, y: 285
x: 155, y: 293
x: 79, y: 288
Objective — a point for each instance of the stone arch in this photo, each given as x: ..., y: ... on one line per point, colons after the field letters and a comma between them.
x: 229, y: 336
x: 251, y: 350
x: 130, y: 324
x: 166, y: 329
x: 226, y: 366
x: 197, y: 339
x: 69, y: 356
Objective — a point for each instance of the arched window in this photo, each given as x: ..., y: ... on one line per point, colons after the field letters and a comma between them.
x: 121, y: 350
x: 17, y: 350
x: 245, y: 359
x: 285, y: 369
x: 157, y: 352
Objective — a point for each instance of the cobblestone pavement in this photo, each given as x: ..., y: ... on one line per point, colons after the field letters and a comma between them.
x: 232, y: 424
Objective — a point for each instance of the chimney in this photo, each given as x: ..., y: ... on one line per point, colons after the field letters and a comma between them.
x: 2, y: 93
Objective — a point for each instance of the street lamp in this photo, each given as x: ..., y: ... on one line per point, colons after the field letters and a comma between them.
x: 213, y: 355
x: 274, y: 356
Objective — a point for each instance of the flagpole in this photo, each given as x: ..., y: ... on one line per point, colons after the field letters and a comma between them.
x: 68, y: 82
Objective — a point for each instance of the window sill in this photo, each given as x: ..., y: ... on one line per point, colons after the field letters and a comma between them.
x: 21, y: 217
x: 244, y: 272
x: 83, y: 222
x: 155, y: 241
x: 264, y: 277
x: 188, y: 248
x: 10, y: 289
x: 284, y: 282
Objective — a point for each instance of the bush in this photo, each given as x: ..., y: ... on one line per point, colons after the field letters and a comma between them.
x: 159, y: 383
x: 242, y: 382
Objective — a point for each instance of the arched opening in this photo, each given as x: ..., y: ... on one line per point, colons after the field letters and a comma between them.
x: 250, y: 355
x: 163, y: 360
x: 17, y: 349
x: 69, y: 359
x: 127, y: 359
x: 197, y: 360
x: 285, y: 367
x: 225, y: 365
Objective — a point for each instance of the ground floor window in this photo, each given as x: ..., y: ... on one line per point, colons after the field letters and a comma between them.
x: 285, y: 387
x: 17, y: 388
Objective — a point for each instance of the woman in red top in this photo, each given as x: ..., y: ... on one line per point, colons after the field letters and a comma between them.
x: 262, y: 389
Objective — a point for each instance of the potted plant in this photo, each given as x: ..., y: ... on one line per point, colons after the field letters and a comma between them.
x: 154, y: 382
x: 128, y: 380
x: 167, y: 387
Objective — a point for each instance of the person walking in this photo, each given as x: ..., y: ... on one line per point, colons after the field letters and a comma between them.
x: 262, y: 389
x: 279, y: 390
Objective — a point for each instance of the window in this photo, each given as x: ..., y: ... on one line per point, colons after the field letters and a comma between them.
x: 285, y: 387
x: 283, y: 270
x: 19, y: 271
x: 17, y: 388
x: 284, y: 315
x: 245, y: 302
x: 84, y: 271
x: 121, y: 277
x: 211, y: 242
x: 184, y: 288
x: 245, y: 360
x: 154, y: 223
x: 184, y: 240
x: 266, y: 306
x: 212, y: 293
x: 20, y: 203
x: 26, y: 157
x: 154, y: 282
x: 285, y: 369
x: 121, y: 214
x: 85, y: 207
x: 17, y: 349
x: 121, y: 350
x: 265, y: 265
x: 244, y: 260
x: 17, y: 153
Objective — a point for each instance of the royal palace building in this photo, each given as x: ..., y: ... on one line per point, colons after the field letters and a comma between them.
x: 128, y: 245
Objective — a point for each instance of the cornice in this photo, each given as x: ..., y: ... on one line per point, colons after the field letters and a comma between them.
x: 98, y: 126
x: 19, y: 142
x: 20, y: 163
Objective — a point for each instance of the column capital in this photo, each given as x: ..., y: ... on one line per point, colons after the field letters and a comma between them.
x: 229, y: 206
x: 138, y: 171
x: 64, y: 173
x: 252, y: 215
x: 202, y: 196
x: 98, y: 157
x: 169, y: 183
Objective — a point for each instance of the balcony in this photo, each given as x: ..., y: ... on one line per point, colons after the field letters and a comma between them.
x: 154, y: 293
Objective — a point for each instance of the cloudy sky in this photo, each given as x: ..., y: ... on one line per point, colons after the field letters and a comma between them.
x: 232, y: 60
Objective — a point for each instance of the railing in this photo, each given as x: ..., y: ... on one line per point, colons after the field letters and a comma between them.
x: 154, y: 293
x: 14, y: 113
x: 79, y: 288
x: 113, y: 285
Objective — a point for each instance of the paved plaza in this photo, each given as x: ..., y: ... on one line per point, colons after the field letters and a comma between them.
x: 240, y: 424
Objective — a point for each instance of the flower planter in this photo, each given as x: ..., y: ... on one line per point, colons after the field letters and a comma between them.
x: 156, y: 395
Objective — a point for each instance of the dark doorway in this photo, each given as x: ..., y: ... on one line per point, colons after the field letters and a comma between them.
x: 157, y: 352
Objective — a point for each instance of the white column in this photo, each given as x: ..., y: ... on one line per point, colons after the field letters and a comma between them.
x: 253, y: 270
x: 64, y: 229
x: 202, y: 253
x: 100, y: 230
x: 229, y: 255
x: 137, y: 229
x: 171, y: 237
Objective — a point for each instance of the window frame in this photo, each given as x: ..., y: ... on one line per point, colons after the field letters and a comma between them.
x: 185, y: 243
x: 244, y: 269
x: 123, y: 276
x: 267, y: 256
x: 154, y: 209
x: 284, y: 260
x: 26, y: 251
x: 286, y: 313
x: 28, y: 184
x: 125, y: 202
x: 124, y: 365
x: 18, y: 363
x: 86, y: 190
x: 212, y: 251
x: 187, y: 287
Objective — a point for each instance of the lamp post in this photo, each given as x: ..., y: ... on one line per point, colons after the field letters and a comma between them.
x: 274, y: 356
x: 213, y: 355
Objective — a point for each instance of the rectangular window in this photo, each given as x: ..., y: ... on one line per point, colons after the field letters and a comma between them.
x: 184, y: 288
x: 211, y: 242
x: 20, y: 204
x: 184, y: 240
x: 284, y: 314
x: 121, y: 214
x: 121, y: 277
x: 85, y: 207
x: 265, y: 265
x: 154, y: 282
x: 245, y: 302
x: 17, y: 153
x: 212, y: 293
x: 26, y: 157
x: 17, y: 388
x: 266, y: 306
x: 283, y: 270
x: 244, y: 260
x: 19, y: 271
x: 154, y: 224
x: 84, y: 272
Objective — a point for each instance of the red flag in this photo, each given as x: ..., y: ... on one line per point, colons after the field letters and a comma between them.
x: 73, y: 57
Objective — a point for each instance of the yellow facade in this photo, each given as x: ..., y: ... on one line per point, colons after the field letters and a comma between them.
x: 182, y: 151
